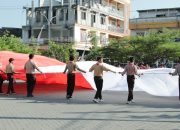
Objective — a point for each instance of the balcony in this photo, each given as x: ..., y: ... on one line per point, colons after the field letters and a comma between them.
x: 108, y: 10
x: 115, y: 29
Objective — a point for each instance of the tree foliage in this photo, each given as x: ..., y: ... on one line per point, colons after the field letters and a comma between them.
x: 60, y: 52
x: 12, y: 43
x: 156, y: 45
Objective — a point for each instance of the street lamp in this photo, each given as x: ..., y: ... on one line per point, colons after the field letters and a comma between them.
x: 49, y: 25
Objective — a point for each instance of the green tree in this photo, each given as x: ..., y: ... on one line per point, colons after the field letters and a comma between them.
x: 60, y: 52
x: 12, y: 43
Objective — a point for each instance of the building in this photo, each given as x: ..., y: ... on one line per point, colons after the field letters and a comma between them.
x: 155, y: 19
x: 71, y: 21
x: 12, y: 31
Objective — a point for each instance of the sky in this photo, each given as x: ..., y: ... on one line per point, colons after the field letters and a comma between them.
x: 13, y: 15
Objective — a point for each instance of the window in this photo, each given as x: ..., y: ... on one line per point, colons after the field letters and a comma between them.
x: 67, y: 14
x: 83, y: 15
x: 38, y: 16
x: 161, y: 15
x: 103, y: 20
x: 54, y: 15
x: 61, y: 15
x: 140, y: 33
x: 83, y: 36
x: 66, y: 1
x: 93, y: 18
x: 103, y: 38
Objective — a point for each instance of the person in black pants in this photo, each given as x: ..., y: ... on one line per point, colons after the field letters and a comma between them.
x: 177, y: 72
x: 71, y: 67
x: 10, y: 75
x: 98, y: 69
x: 131, y: 70
x: 30, y: 68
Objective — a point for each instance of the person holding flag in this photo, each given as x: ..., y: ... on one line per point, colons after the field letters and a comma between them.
x: 177, y: 72
x: 131, y: 70
x: 30, y: 68
x: 98, y: 69
x: 71, y: 66
x: 10, y: 75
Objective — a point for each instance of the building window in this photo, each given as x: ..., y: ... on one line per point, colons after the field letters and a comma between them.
x: 161, y: 15
x: 103, y: 38
x: 140, y: 33
x: 83, y: 36
x: 93, y: 18
x: 61, y: 15
x: 38, y: 16
x: 66, y: 1
x: 83, y: 15
x: 54, y: 17
x: 103, y: 20
x: 67, y: 14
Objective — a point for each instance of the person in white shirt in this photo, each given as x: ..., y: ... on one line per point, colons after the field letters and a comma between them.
x: 10, y: 75
x: 30, y: 68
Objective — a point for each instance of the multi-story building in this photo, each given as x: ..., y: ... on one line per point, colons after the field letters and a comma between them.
x: 72, y: 20
x: 155, y: 19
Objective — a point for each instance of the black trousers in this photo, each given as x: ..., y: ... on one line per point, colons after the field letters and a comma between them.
x: 130, y: 81
x: 31, y: 82
x: 99, y: 84
x: 1, y: 83
x: 10, y: 85
x: 70, y: 84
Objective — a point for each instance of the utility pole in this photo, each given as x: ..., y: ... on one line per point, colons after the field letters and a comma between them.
x: 32, y: 19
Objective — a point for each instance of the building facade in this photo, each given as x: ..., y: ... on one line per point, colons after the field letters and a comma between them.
x: 71, y: 21
x: 155, y: 19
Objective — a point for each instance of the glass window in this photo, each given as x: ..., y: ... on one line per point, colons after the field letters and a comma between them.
x: 83, y: 15
x: 61, y: 15
x: 38, y: 16
x: 103, y: 20
x: 83, y: 35
x: 67, y: 14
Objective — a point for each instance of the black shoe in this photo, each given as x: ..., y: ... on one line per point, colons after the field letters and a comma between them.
x: 30, y: 96
x: 14, y: 93
x: 1, y: 92
x: 68, y: 97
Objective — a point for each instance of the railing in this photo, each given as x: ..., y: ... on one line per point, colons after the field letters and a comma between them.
x: 116, y: 29
x: 109, y: 10
x: 104, y: 27
x: 155, y: 19
x: 55, y: 39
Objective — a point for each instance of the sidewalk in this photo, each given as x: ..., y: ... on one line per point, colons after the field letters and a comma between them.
x: 53, y: 112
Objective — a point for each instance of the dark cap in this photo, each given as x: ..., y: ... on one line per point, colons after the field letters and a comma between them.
x: 11, y: 59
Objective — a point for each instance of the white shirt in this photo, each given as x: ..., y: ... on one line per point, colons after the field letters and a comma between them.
x: 30, y: 67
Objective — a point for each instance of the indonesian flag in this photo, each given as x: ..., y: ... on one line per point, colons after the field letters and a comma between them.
x: 153, y: 81
x: 52, y: 69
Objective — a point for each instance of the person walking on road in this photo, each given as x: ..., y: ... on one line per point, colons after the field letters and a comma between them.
x: 98, y: 69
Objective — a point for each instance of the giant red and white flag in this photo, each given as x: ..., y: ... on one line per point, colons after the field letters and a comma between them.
x: 154, y: 81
